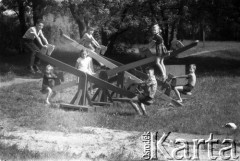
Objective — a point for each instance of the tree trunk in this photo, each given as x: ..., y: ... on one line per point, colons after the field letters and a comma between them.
x: 21, y: 16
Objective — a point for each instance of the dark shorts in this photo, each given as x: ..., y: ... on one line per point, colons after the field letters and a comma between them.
x: 187, y: 88
x: 31, y: 46
x: 44, y: 89
x: 146, y: 100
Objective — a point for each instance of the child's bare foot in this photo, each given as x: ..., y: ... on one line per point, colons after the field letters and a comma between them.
x: 179, y: 101
x: 47, y: 102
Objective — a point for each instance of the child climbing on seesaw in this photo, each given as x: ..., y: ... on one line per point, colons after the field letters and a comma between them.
x: 89, y: 42
x: 84, y: 64
x: 48, y: 82
x: 161, y: 51
x: 190, y: 84
x: 149, y: 91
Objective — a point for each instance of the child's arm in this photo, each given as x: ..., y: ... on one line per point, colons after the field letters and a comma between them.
x: 95, y: 43
x: 182, y: 76
x: 43, y: 38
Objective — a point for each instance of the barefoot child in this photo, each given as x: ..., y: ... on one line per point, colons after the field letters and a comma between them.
x: 48, y: 82
x: 84, y: 64
x: 161, y: 50
x: 149, y: 90
x: 189, y: 86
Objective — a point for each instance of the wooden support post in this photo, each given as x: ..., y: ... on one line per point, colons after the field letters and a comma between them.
x: 103, y: 75
x: 120, y: 80
x: 83, y: 84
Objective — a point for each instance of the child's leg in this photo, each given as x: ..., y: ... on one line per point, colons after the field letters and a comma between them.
x: 141, y: 105
x: 176, y: 90
x: 161, y: 67
x: 134, y: 104
x: 48, y: 95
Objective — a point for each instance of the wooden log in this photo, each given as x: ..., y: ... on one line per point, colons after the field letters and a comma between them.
x: 77, y: 107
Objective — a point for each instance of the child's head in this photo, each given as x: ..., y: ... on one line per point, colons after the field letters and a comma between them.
x: 192, y: 68
x: 150, y: 71
x: 39, y: 24
x: 83, y: 53
x: 90, y: 30
x: 49, y: 69
x: 156, y: 29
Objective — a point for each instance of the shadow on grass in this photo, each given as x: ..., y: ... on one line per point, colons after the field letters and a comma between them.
x: 211, y: 66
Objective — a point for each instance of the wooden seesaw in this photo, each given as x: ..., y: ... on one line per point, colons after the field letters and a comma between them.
x: 119, y: 72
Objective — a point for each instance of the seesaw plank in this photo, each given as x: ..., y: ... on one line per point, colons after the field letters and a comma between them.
x: 97, y: 57
x: 103, y: 84
x: 147, y: 60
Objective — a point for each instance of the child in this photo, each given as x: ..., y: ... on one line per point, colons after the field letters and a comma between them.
x: 145, y: 98
x: 84, y: 64
x: 89, y: 41
x: 32, y: 33
x: 161, y: 50
x: 48, y: 82
x: 176, y: 44
x: 189, y: 86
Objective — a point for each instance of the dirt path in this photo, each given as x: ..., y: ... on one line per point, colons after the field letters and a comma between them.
x: 18, y: 81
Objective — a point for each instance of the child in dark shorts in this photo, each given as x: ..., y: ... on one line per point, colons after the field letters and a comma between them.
x: 48, y: 83
x: 149, y: 91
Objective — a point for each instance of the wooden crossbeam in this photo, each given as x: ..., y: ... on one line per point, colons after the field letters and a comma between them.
x: 96, y: 56
x: 102, y: 103
x: 92, y: 79
x: 147, y: 60
x: 131, y: 65
x: 76, y: 107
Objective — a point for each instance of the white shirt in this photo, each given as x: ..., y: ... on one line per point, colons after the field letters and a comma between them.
x: 84, y: 65
x: 32, y: 33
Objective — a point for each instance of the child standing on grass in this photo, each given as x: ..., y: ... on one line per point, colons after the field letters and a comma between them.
x: 31, y: 34
x: 161, y: 51
x: 149, y: 91
x: 48, y: 82
x: 189, y: 86
x: 84, y: 64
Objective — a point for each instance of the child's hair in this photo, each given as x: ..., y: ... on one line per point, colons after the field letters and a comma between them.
x: 81, y: 52
x: 39, y: 21
x: 149, y: 69
x: 90, y: 29
x: 156, y: 26
x: 193, y: 66
x: 49, y: 67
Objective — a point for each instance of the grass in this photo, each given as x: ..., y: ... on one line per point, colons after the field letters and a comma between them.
x: 215, y: 101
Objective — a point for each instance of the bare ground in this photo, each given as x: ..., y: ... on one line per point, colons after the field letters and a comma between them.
x: 93, y: 143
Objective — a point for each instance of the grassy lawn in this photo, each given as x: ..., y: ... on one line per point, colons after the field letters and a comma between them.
x: 215, y: 101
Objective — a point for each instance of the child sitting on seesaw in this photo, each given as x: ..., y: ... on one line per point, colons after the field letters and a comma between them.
x: 189, y: 86
x: 48, y: 82
x: 161, y: 51
x: 149, y: 91
x: 84, y: 64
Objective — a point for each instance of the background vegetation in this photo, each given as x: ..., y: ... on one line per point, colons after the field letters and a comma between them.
x: 121, y: 23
